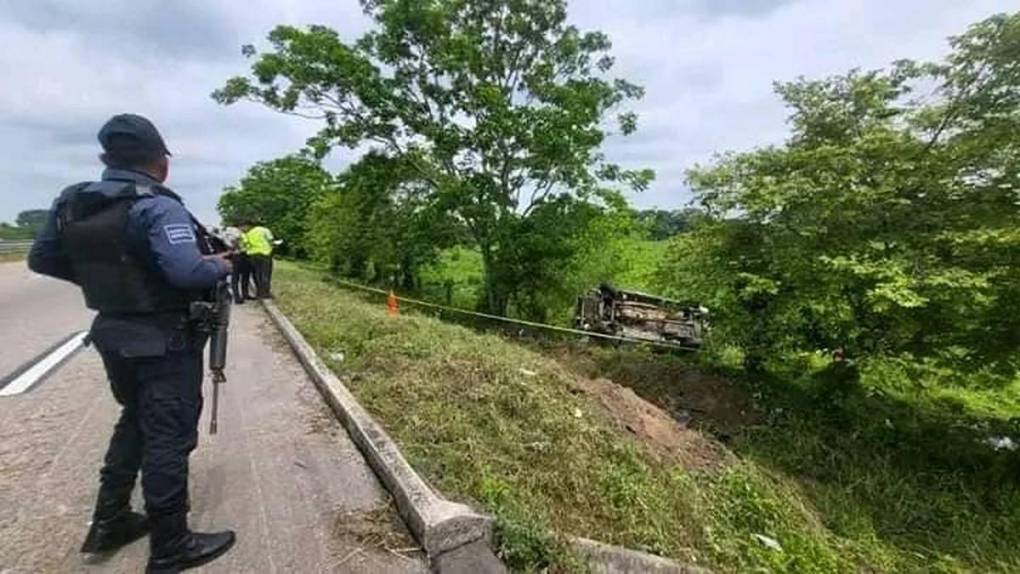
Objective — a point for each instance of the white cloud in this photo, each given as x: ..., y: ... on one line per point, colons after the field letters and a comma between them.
x: 69, y: 65
x: 708, y: 72
x: 707, y: 66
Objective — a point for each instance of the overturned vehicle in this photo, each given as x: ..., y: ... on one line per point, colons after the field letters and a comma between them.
x: 642, y: 317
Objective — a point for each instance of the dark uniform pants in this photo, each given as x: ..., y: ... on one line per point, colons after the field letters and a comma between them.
x: 161, y: 400
x: 263, y: 268
x: 240, y: 278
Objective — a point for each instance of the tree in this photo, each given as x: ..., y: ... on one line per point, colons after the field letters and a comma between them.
x: 10, y: 232
x: 499, y: 106
x: 28, y: 223
x: 584, y: 245
x: 886, y: 225
x: 277, y: 193
x: 377, y: 223
x: 32, y: 220
x: 663, y: 224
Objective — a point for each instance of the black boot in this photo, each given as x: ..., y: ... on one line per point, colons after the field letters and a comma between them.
x: 173, y: 547
x: 114, y: 531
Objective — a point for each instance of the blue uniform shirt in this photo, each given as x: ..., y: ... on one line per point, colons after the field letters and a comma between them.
x: 157, y: 221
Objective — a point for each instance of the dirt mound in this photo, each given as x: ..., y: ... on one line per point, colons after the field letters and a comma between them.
x: 655, y: 430
x: 711, y: 401
x: 708, y: 402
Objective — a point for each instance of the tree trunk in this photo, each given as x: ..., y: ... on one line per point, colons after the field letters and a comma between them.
x: 756, y: 346
x: 408, y: 274
x: 495, y: 298
x: 357, y: 265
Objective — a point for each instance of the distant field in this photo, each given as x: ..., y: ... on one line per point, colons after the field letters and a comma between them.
x: 769, y: 478
x: 455, y: 279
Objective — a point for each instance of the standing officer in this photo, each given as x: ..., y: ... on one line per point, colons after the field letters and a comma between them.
x: 240, y: 276
x: 135, y: 251
x: 259, y: 246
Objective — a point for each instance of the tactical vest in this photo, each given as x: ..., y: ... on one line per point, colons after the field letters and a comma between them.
x: 116, y: 276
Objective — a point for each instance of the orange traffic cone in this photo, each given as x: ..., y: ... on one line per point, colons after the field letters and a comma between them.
x: 392, y: 305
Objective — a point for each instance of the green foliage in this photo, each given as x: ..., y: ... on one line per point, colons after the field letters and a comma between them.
x: 480, y: 429
x: 279, y: 194
x: 896, y: 473
x: 455, y: 278
x: 524, y: 539
x: 874, y: 481
x: 498, y: 105
x: 664, y: 224
x: 616, y: 251
x: 595, y: 246
x: 886, y: 225
x: 27, y: 224
x: 32, y: 220
x: 552, y: 261
x: 890, y: 464
x: 10, y: 232
x: 592, y: 246
x: 378, y: 224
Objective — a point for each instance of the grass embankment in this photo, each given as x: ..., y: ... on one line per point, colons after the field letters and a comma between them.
x: 897, y: 470
x: 529, y: 439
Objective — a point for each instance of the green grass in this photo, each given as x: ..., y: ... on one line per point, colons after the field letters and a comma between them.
x: 11, y: 257
x: 455, y: 279
x: 897, y: 468
x: 643, y: 258
x: 501, y: 426
x: 902, y: 465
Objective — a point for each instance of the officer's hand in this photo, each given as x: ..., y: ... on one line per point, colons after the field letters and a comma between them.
x: 224, y: 259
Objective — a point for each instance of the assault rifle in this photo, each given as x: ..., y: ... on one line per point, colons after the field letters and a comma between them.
x: 213, y: 318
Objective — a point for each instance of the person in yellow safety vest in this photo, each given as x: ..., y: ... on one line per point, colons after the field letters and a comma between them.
x: 258, y: 244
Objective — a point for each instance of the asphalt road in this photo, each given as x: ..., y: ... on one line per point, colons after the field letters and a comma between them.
x: 35, y: 313
x: 281, y: 471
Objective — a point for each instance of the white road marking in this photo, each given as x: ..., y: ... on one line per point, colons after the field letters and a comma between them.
x: 43, y: 366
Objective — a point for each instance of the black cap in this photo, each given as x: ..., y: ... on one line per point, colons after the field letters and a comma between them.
x: 131, y: 135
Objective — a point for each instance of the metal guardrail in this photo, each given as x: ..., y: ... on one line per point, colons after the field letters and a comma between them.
x: 15, y: 246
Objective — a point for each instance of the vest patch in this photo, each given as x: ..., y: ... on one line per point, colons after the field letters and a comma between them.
x: 178, y: 233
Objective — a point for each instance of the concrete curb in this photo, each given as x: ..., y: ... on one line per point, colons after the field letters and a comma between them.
x: 608, y: 559
x: 438, y: 524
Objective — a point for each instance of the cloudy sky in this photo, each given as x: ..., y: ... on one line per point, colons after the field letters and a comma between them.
x: 707, y: 65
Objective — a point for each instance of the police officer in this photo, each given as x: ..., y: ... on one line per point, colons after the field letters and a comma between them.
x: 259, y: 241
x: 240, y: 276
x: 137, y: 255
